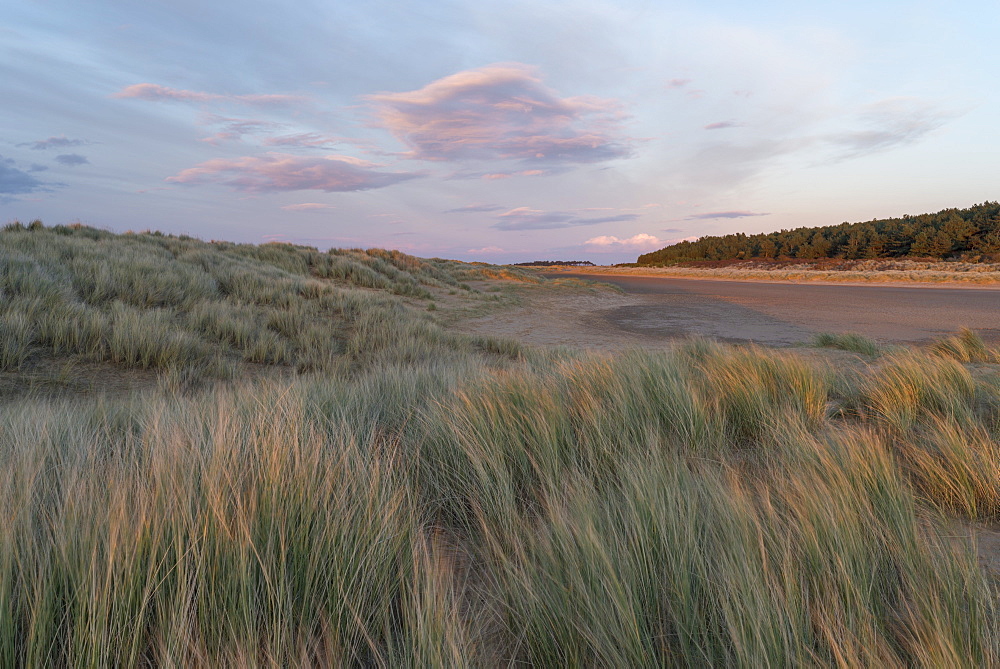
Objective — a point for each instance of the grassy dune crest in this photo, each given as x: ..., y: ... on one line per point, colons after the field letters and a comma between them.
x: 422, y: 498
x: 206, y: 310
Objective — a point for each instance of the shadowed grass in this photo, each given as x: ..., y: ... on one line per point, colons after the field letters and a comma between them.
x: 954, y: 466
x: 16, y: 335
x: 848, y: 341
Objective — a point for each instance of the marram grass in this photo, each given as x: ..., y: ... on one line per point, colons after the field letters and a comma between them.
x: 586, y: 511
x: 414, y: 497
x: 849, y: 341
x: 187, y: 307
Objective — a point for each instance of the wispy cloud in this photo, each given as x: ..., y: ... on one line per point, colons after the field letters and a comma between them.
x: 234, y: 129
x: 158, y: 93
x: 493, y: 176
x: 155, y: 92
x: 525, y: 218
x: 499, y: 175
x: 54, y: 143
x: 887, y: 124
x: 469, y: 208
x: 678, y: 83
x: 275, y: 172
x: 72, y: 159
x: 501, y: 111
x: 722, y: 125
x: 638, y: 242
x: 311, y: 140
x: 814, y: 140
x: 485, y: 250
x: 711, y: 215
x: 308, y: 206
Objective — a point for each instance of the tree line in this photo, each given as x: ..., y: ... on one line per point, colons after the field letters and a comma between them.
x: 969, y: 234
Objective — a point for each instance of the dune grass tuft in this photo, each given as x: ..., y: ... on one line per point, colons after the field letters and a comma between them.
x: 848, y: 341
x: 966, y: 346
x: 910, y: 387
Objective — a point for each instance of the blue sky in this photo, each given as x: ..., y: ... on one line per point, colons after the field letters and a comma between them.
x: 500, y: 131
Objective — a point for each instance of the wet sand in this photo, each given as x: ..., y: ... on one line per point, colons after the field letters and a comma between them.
x: 654, y: 311
x: 788, y: 313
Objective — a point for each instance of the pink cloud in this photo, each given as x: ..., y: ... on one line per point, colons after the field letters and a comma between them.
x: 485, y: 249
x: 155, y: 92
x: 501, y: 111
x: 721, y: 125
x: 639, y: 241
x: 283, y: 172
x: 158, y: 93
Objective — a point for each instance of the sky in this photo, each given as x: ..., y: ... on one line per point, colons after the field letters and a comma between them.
x: 500, y: 131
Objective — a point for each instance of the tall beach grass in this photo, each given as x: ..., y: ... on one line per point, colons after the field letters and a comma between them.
x: 408, y: 496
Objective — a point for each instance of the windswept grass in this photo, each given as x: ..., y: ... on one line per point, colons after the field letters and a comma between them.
x: 954, y: 466
x: 178, y: 532
x: 414, y: 497
x: 966, y: 346
x: 910, y: 387
x: 686, y: 564
x: 565, y: 510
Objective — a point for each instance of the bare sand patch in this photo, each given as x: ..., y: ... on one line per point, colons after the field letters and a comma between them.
x: 651, y: 312
x: 575, y: 319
